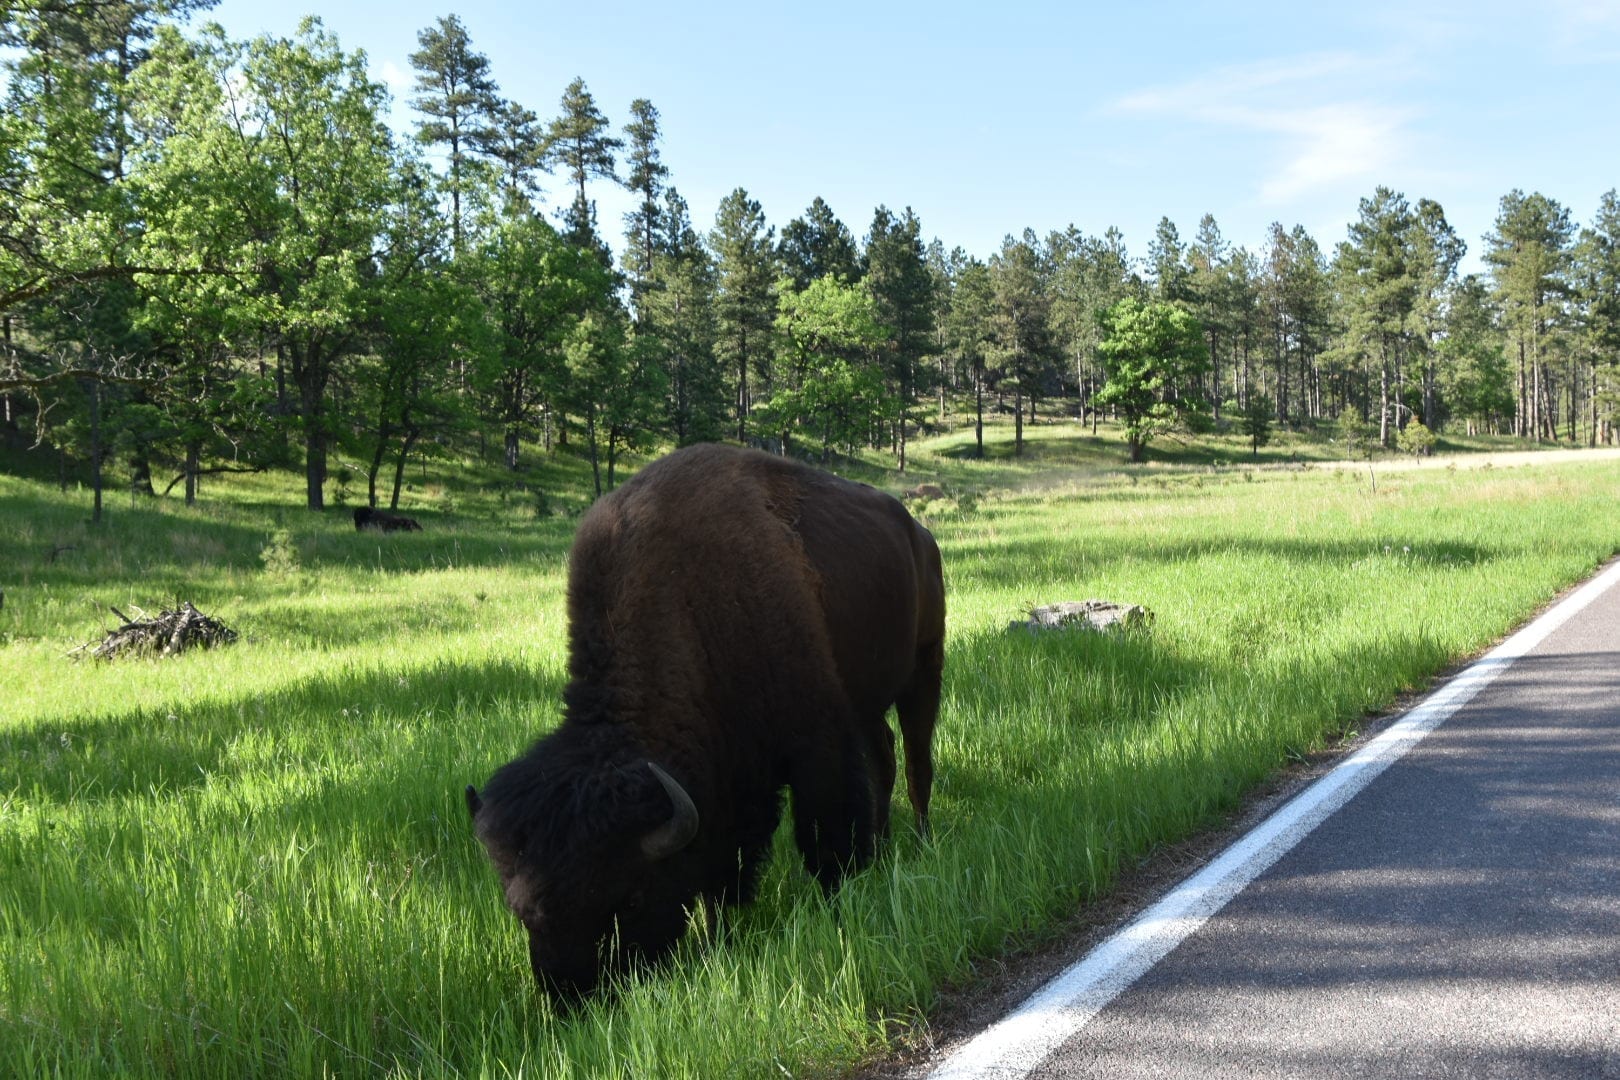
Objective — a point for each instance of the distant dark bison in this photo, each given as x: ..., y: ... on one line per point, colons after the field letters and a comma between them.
x: 738, y: 623
x: 367, y: 517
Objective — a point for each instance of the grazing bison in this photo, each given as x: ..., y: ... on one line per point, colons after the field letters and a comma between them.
x: 737, y: 624
x: 367, y: 517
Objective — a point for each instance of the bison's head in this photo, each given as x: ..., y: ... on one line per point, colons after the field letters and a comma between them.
x: 591, y: 864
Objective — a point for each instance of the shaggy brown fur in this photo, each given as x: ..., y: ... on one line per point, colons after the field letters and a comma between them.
x: 744, y: 622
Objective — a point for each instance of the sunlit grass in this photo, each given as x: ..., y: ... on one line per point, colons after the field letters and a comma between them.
x: 256, y: 861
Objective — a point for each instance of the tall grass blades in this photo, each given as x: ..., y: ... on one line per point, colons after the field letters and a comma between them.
x: 256, y: 861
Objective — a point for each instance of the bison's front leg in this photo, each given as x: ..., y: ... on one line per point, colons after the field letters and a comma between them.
x: 834, y: 812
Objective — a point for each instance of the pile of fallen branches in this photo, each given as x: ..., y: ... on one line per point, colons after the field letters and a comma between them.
x: 170, y: 633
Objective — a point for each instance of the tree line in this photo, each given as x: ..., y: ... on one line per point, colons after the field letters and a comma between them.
x: 216, y: 255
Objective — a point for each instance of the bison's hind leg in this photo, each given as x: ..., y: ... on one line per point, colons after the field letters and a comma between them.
x: 918, y: 709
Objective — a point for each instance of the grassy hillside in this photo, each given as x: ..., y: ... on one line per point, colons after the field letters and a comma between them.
x: 256, y: 860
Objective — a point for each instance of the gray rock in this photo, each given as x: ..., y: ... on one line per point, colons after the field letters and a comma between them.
x: 1087, y: 615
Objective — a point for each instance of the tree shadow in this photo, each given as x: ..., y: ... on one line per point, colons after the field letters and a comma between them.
x: 144, y: 751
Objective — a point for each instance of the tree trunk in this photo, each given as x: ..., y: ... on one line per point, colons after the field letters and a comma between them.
x: 310, y: 374
x: 95, y: 450
x: 590, y: 433
x: 978, y: 409
x: 376, y: 467
x: 405, y: 445
x: 1383, y: 399
x: 1592, y: 399
x: 1018, y: 420
x: 193, y: 457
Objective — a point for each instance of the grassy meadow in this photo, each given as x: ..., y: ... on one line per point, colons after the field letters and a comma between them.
x: 256, y: 861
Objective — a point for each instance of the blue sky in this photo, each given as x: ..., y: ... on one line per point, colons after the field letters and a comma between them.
x: 988, y: 118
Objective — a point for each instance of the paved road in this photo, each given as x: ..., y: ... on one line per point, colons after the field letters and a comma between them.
x: 1458, y: 916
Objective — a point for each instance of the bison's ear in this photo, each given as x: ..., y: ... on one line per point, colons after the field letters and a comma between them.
x: 474, y: 803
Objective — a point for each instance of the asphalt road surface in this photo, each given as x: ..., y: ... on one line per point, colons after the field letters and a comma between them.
x: 1450, y: 909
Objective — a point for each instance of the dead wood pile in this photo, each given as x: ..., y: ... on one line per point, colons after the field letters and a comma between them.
x: 170, y: 633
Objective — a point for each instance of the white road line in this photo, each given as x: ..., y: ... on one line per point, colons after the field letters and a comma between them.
x: 1023, y: 1039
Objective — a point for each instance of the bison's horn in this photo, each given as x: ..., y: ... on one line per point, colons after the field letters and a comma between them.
x: 682, y: 826
x: 474, y: 803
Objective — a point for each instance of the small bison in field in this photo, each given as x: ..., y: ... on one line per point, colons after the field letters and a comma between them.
x: 368, y: 517
x: 737, y: 624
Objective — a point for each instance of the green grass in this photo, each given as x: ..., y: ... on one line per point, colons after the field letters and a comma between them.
x: 256, y: 861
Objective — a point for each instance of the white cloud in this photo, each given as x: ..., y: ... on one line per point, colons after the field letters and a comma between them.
x: 1325, y: 136
x: 392, y: 76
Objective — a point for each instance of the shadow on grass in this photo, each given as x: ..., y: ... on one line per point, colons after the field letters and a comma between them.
x: 51, y: 541
x: 152, y: 751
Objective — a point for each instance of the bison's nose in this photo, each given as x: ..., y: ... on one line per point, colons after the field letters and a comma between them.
x: 565, y: 979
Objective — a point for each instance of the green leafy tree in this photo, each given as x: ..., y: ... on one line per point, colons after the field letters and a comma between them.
x: 1210, y: 295
x: 302, y: 135
x: 1436, y: 250
x: 190, y: 216
x: 612, y: 387
x: 69, y: 235
x: 535, y: 287
x: 423, y: 313
x: 1415, y: 439
x: 1151, y: 350
x: 828, y: 384
x: 1087, y: 276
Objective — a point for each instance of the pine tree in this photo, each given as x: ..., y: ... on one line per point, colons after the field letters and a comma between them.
x: 1209, y: 291
x: 1436, y: 249
x: 970, y: 328
x: 1378, y: 283
x: 1476, y: 378
x: 580, y: 145
x: 646, y: 181
x: 745, y: 301
x: 900, y: 283
x: 455, y: 92
x: 516, y: 144
x: 1597, y: 275
x: 1528, y: 256
x: 680, y: 318
x: 1022, y: 330
x: 1167, y: 259
x: 816, y: 245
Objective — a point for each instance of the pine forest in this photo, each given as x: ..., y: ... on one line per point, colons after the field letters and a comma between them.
x: 215, y: 255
